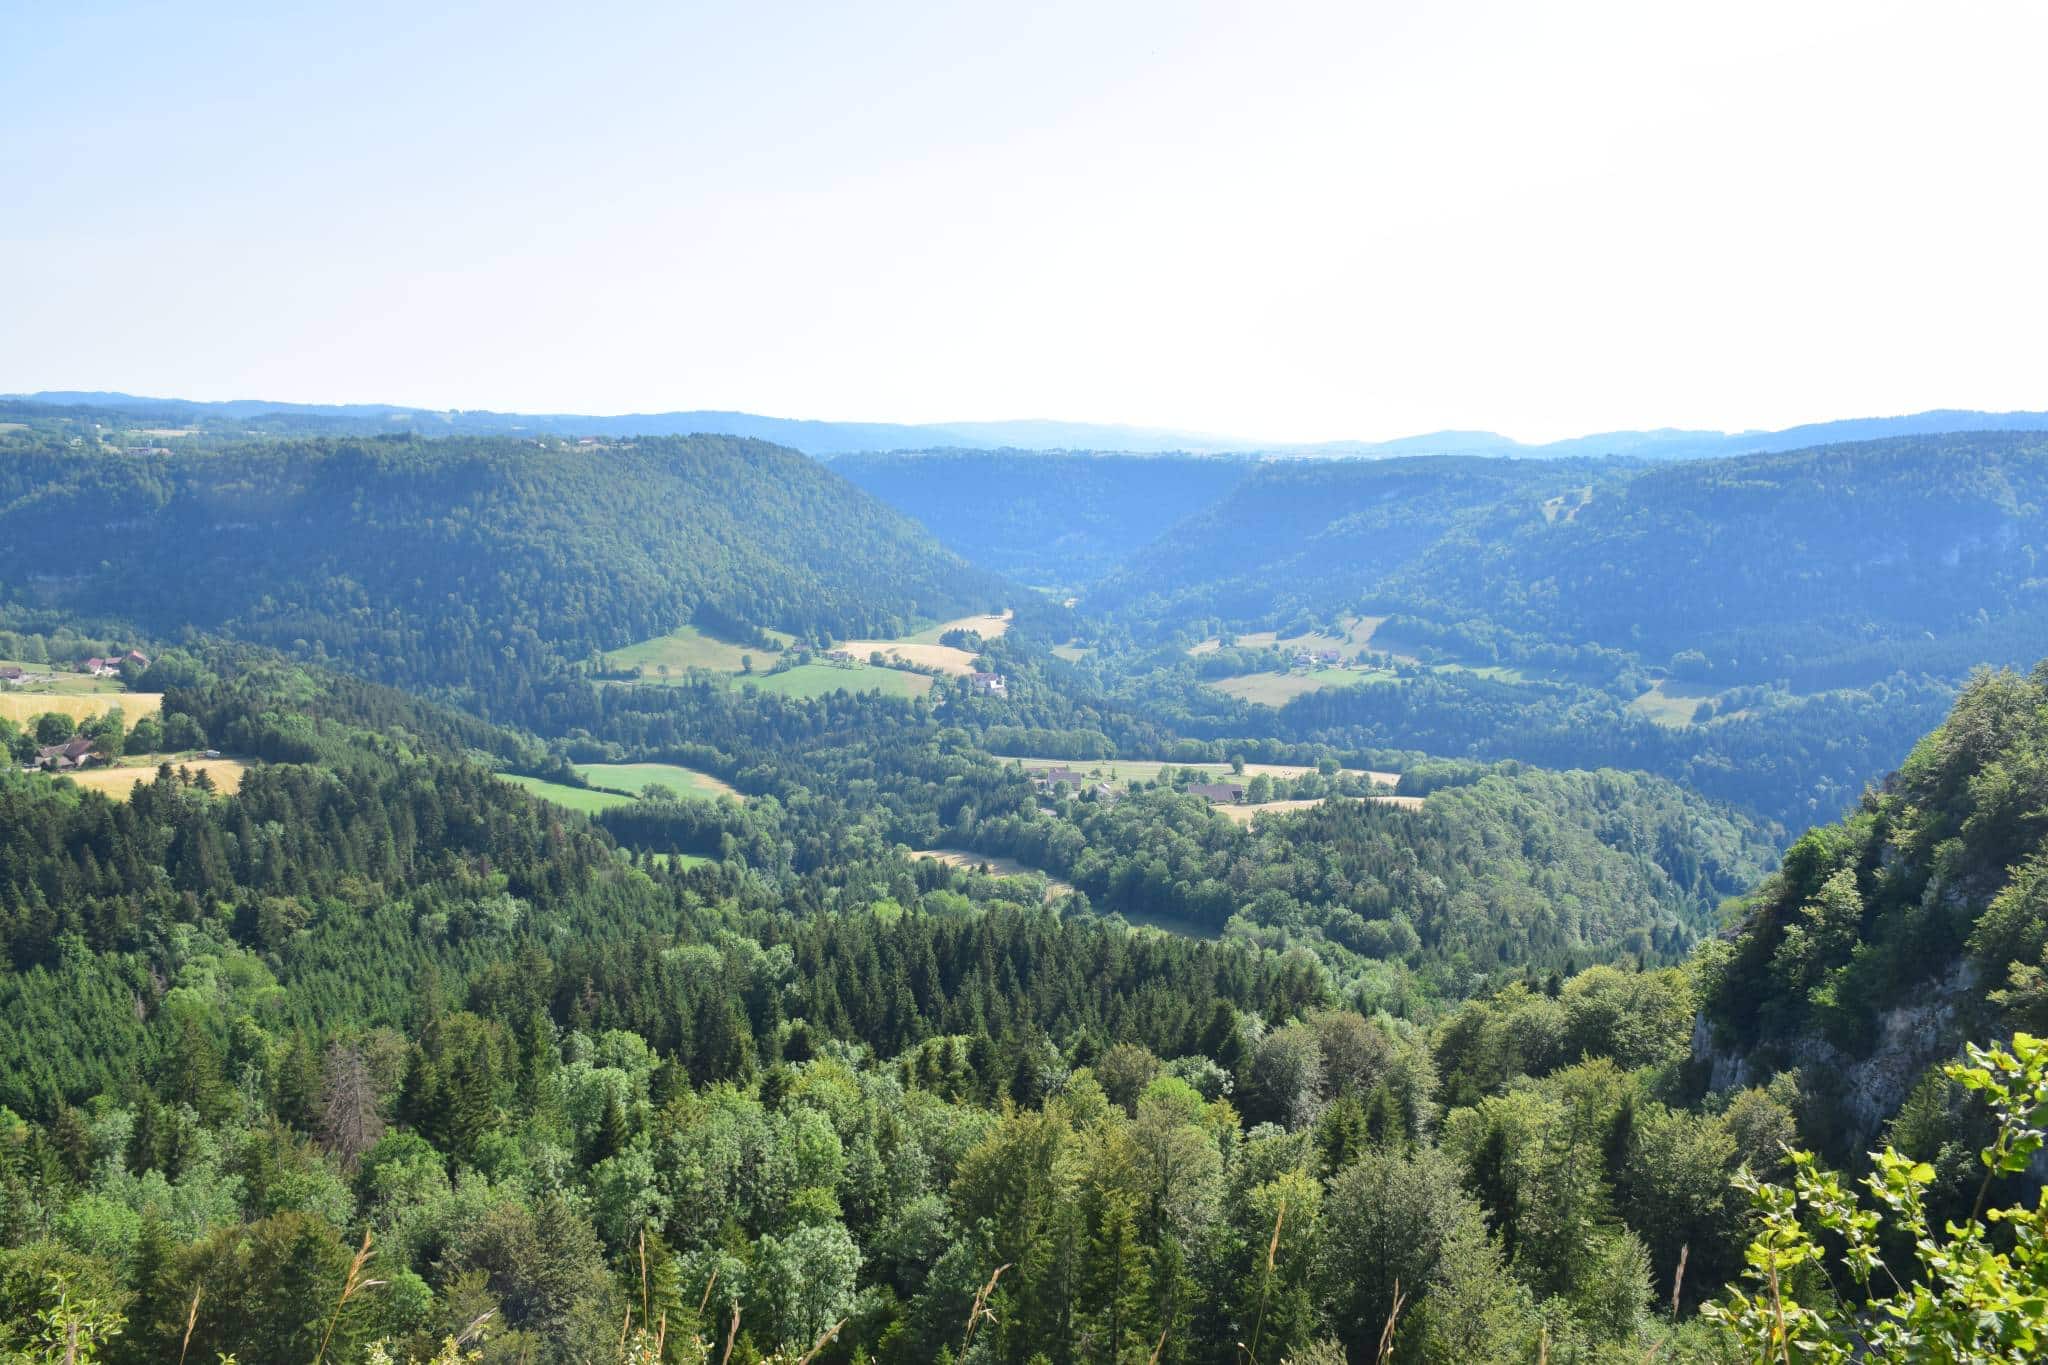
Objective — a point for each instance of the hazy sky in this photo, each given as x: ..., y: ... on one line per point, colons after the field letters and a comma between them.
x: 1269, y: 220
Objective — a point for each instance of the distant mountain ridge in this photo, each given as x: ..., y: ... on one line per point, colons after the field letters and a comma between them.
x: 824, y: 438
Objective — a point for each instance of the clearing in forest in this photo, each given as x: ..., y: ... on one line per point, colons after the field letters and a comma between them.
x: 580, y: 799
x: 988, y: 626
x: 1567, y: 506
x: 119, y: 781
x: 1277, y: 689
x: 999, y: 867
x: 686, y: 648
x: 810, y: 681
x: 1672, y: 703
x: 923, y: 648
x: 1353, y: 641
x: 631, y: 778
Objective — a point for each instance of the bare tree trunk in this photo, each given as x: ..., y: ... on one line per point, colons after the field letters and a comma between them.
x: 349, y: 1122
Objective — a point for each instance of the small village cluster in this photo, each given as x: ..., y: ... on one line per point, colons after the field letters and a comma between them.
x: 1049, y: 779
x: 111, y: 665
x: 1317, y: 658
x: 98, y: 666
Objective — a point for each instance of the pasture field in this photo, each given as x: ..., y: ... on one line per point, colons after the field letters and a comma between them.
x: 1671, y: 703
x: 1243, y: 814
x: 1506, y: 673
x: 577, y: 799
x: 686, y: 648
x: 809, y: 681
x: 1128, y: 770
x: 119, y: 781
x: 1353, y: 642
x: 1000, y: 867
x: 682, y: 783
x: 923, y: 647
x: 1277, y: 689
x: 945, y: 658
x: 1073, y: 654
x: 18, y: 706
x: 988, y: 627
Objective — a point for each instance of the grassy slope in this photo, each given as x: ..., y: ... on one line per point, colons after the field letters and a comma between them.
x: 818, y: 680
x: 569, y: 798
x: 686, y: 648
x: 632, y: 777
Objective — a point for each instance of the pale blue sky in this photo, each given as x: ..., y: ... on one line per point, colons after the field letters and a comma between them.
x: 1271, y: 220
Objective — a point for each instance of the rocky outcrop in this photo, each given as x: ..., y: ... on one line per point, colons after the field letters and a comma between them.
x: 1862, y: 1089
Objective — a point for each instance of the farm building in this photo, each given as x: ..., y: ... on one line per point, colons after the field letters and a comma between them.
x: 988, y: 684
x: 1218, y: 793
x: 1051, y: 777
x: 73, y: 753
x: 111, y: 664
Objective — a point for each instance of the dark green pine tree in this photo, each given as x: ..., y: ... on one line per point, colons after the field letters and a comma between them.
x: 192, y: 1071
x: 422, y: 1099
x: 611, y: 1136
x: 159, y: 1302
x: 298, y: 1084
x: 145, y: 1138
x: 1115, y: 1282
x: 71, y: 1141
x: 1342, y: 1132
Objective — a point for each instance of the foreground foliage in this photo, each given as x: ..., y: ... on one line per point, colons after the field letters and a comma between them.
x: 1977, y: 1290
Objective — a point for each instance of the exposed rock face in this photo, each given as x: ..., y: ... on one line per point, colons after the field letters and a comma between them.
x: 1864, y: 1091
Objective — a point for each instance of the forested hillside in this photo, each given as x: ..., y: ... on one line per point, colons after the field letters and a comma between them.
x: 1058, y: 519
x: 1826, y: 567
x: 480, y: 565
x: 1310, y: 539
x: 1919, y: 921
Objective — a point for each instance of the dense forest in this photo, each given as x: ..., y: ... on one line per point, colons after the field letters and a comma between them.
x: 1830, y: 567
x: 1308, y: 540
x: 575, y: 1098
